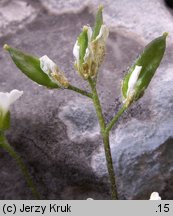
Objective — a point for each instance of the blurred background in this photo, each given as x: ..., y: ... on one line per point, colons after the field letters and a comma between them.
x: 56, y: 131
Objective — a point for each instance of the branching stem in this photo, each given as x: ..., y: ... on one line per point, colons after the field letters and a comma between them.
x: 115, y: 118
x: 80, y: 91
x: 105, y: 137
x: 103, y: 129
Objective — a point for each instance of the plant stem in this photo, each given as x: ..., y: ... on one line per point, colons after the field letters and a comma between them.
x: 105, y: 136
x: 97, y: 105
x: 7, y: 147
x: 80, y: 91
x: 110, y: 166
x: 115, y: 118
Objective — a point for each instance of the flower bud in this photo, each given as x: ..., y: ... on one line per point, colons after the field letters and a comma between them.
x: 30, y: 66
x: 89, y: 49
x: 144, y: 68
x: 82, y: 53
x: 52, y: 70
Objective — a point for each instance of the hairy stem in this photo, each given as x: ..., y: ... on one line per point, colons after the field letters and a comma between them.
x: 97, y: 105
x: 105, y: 136
x: 110, y: 167
x: 115, y: 118
x: 7, y: 147
x: 80, y: 91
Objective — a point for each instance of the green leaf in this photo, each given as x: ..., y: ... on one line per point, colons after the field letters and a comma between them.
x: 98, y: 22
x: 30, y: 66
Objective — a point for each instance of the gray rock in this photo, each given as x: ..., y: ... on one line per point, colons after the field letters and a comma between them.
x: 15, y: 15
x: 64, y: 6
x: 80, y: 119
x: 56, y: 131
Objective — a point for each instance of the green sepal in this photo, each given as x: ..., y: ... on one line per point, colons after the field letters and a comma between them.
x: 149, y: 60
x: 124, y: 87
x: 30, y: 66
x: 83, y: 44
x: 4, y: 121
x: 98, y: 22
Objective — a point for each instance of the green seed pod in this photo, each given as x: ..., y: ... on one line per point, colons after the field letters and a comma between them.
x: 30, y: 66
x: 144, y: 68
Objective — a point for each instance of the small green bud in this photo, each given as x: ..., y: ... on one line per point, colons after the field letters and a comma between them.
x: 144, y: 68
x: 30, y: 66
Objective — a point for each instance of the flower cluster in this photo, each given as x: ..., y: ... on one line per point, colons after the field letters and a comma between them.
x: 89, y: 49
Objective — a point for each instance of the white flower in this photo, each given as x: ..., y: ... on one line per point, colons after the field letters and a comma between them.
x: 94, y: 52
x: 104, y: 33
x: 133, y: 79
x: 132, y: 82
x: 155, y: 196
x: 47, y: 65
x: 6, y: 99
x: 76, y: 50
x: 52, y: 70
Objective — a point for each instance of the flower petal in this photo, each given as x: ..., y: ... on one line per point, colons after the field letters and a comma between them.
x: 6, y: 99
x: 76, y: 49
x: 4, y: 102
x: 52, y: 70
x: 103, y: 34
x: 14, y: 95
x: 47, y: 65
x: 90, y: 32
x: 155, y: 196
x: 133, y: 79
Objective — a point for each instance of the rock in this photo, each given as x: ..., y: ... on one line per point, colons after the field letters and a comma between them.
x: 80, y: 119
x: 73, y: 6
x: 56, y: 131
x: 138, y: 20
x: 14, y: 15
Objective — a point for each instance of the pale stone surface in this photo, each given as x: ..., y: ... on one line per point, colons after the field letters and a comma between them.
x: 80, y: 118
x: 147, y: 19
x: 61, y: 6
x: 57, y: 133
x: 14, y: 15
